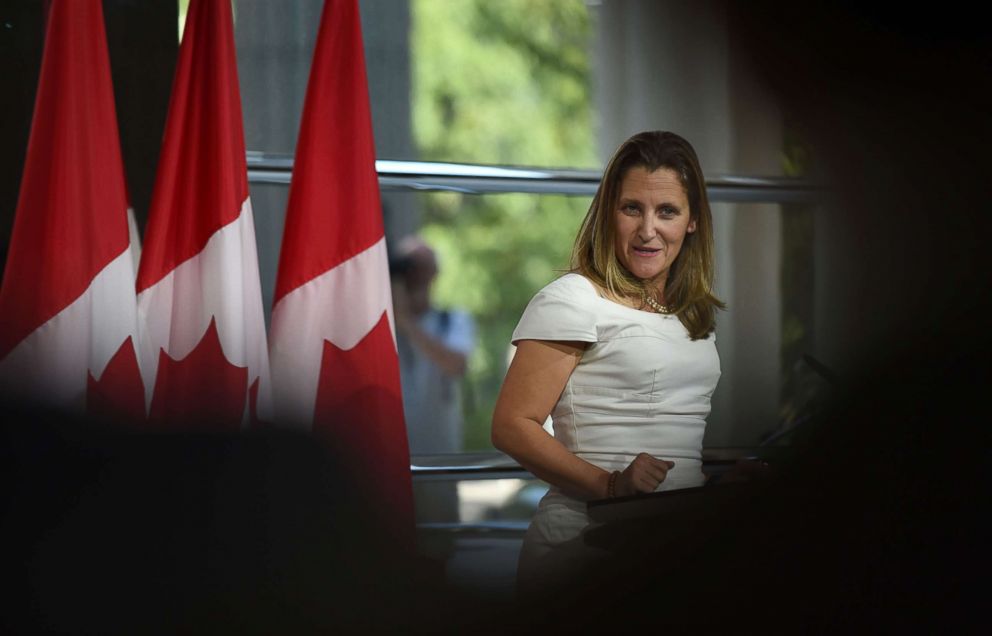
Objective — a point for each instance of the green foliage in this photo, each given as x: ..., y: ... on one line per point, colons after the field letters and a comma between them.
x: 502, y: 83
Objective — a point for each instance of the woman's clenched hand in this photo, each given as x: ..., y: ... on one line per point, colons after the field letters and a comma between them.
x: 642, y: 475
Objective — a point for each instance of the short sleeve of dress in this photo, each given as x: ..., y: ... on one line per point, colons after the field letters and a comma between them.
x: 563, y: 310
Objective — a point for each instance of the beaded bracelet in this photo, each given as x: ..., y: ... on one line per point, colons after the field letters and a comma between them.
x: 611, y: 485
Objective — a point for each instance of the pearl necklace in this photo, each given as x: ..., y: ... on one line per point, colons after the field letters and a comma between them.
x: 654, y: 304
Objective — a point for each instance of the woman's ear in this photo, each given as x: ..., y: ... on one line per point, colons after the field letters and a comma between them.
x: 692, y: 226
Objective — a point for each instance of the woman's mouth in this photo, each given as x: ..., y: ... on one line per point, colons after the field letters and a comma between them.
x: 646, y: 251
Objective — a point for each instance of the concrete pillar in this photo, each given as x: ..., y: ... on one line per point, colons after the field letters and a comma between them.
x: 386, y: 28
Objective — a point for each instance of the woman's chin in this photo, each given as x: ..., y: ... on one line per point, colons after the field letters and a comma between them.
x: 647, y: 276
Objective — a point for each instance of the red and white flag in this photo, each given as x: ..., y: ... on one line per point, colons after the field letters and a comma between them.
x: 334, y: 364
x: 203, y: 346
x: 67, y: 306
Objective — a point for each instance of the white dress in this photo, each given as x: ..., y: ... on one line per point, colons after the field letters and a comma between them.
x: 642, y: 385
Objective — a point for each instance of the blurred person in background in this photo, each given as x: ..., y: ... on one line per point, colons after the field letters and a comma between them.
x: 434, y: 346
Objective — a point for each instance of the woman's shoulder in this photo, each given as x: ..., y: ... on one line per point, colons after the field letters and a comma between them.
x: 562, y: 310
x: 571, y: 286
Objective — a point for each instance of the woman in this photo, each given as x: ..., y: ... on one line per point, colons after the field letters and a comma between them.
x: 620, y: 351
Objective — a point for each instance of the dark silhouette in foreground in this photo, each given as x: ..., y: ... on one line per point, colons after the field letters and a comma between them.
x: 109, y: 531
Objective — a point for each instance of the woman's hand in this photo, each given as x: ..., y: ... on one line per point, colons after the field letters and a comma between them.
x: 642, y: 475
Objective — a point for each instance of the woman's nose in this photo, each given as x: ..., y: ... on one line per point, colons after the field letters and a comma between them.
x: 646, y: 230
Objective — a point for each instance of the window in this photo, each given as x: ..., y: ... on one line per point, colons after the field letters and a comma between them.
x: 528, y: 100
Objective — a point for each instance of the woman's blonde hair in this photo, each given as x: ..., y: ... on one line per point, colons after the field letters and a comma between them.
x: 689, y: 287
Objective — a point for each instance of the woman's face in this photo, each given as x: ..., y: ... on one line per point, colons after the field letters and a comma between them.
x: 652, y: 219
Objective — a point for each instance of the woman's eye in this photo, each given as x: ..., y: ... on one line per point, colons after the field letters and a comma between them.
x: 630, y: 209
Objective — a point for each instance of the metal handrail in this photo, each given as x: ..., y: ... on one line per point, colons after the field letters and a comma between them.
x: 496, y: 465
x: 421, y: 176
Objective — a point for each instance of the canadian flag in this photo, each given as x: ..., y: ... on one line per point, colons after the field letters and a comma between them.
x: 334, y: 364
x: 203, y: 346
x: 67, y: 306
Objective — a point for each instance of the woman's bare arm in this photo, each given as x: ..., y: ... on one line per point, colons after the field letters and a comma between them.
x: 536, y: 377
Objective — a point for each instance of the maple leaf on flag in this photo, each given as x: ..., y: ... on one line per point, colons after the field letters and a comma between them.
x: 119, y: 394
x: 352, y: 401
x: 182, y: 395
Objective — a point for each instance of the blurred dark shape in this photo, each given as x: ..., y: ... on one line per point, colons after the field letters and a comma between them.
x: 894, y: 105
x: 108, y: 531
x: 812, y: 384
x: 399, y: 266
